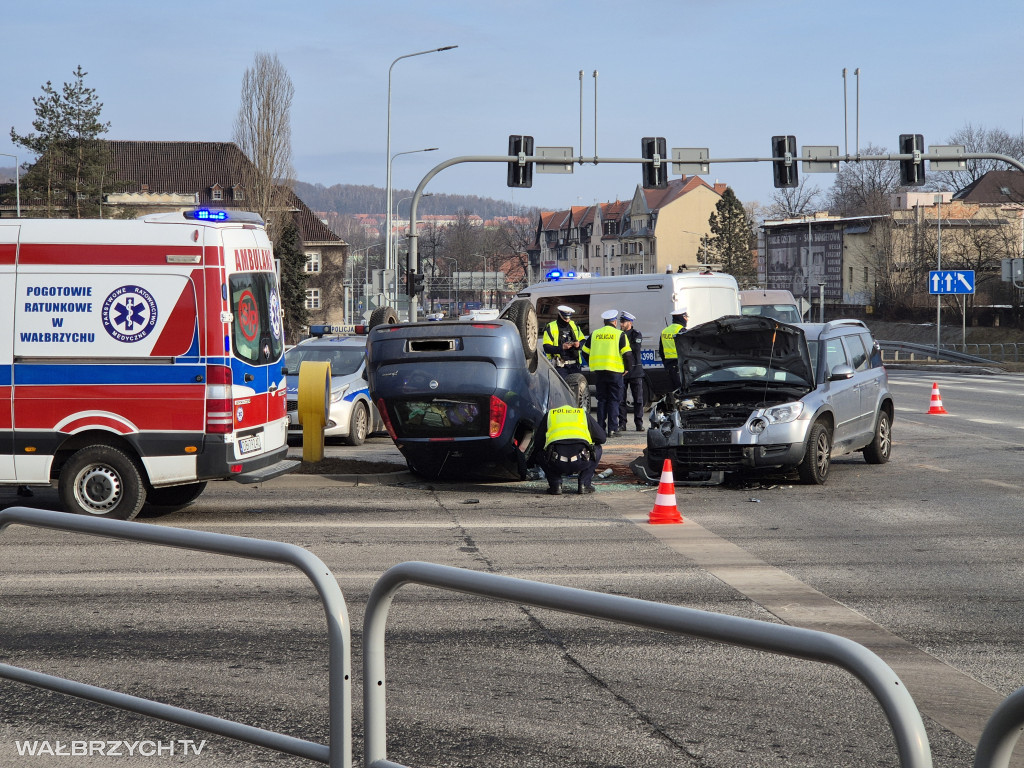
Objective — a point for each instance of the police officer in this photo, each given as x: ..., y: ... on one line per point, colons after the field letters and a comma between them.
x: 562, y: 340
x: 610, y: 357
x: 667, y: 346
x: 570, y: 443
x: 634, y: 378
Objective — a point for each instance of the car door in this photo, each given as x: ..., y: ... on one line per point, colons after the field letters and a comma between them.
x: 843, y: 394
x: 867, y: 385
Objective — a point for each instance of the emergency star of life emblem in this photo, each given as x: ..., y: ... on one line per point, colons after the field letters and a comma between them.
x: 129, y: 313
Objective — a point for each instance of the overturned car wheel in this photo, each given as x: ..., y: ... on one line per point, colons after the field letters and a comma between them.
x: 580, y: 389
x: 524, y: 315
x: 383, y: 316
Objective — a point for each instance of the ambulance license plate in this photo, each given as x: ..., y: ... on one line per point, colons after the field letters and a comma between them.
x: 250, y: 444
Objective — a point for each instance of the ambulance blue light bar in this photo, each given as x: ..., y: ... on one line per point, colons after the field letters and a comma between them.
x: 219, y: 214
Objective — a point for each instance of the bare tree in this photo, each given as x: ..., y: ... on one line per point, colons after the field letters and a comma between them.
x: 263, y: 132
x: 791, y: 202
x: 863, y: 188
x: 980, y: 139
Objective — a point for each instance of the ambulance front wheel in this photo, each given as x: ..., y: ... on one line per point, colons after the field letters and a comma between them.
x: 102, y: 481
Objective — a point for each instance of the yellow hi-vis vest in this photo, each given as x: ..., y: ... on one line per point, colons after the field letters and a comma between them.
x: 605, y: 350
x: 668, y: 340
x: 551, y: 336
x: 567, y: 423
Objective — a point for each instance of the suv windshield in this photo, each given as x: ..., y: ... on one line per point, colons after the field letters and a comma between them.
x: 256, y: 315
x: 749, y: 373
x: 343, y: 360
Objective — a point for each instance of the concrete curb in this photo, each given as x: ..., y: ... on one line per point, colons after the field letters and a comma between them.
x: 297, y: 480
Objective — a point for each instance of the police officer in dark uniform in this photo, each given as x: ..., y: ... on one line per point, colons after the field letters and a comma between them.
x: 562, y: 341
x: 569, y: 441
x: 634, y: 378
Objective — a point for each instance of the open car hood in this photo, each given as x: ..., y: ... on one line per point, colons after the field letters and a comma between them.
x: 743, y: 340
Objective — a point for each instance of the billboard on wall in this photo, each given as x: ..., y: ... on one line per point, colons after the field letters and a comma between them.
x: 788, y: 266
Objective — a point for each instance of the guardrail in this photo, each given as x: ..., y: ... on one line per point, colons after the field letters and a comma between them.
x: 1007, y: 352
x: 888, y: 690
x: 337, y: 753
x: 905, y: 351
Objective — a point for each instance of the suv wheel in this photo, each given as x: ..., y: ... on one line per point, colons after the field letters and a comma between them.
x: 880, y: 448
x: 383, y: 316
x: 818, y: 457
x: 580, y: 389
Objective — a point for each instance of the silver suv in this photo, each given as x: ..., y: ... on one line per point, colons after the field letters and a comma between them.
x: 760, y: 393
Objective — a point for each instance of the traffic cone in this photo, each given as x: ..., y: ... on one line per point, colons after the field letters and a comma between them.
x: 665, y: 509
x: 936, y: 408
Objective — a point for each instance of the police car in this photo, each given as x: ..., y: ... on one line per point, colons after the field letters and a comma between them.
x: 352, y: 415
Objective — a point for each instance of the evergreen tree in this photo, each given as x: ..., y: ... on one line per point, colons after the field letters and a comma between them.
x: 732, y: 234
x: 71, y: 157
x: 288, y: 249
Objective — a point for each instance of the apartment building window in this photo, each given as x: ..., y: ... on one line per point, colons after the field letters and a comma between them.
x: 312, y: 261
x: 312, y: 298
x: 216, y: 193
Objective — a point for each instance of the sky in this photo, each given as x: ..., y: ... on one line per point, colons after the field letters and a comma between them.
x: 725, y: 75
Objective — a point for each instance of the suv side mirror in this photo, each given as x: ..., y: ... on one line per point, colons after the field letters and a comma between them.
x: 841, y: 372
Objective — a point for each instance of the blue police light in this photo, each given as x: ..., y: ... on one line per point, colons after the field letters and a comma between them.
x: 554, y: 274
x: 570, y: 275
x: 207, y: 214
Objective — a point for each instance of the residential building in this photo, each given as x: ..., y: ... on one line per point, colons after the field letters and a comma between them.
x: 656, y: 230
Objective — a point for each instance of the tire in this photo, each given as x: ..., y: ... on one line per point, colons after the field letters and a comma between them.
x: 818, y: 457
x: 358, y: 425
x: 102, y: 481
x: 880, y: 448
x: 524, y: 315
x: 175, y: 495
x: 580, y: 389
x: 383, y: 316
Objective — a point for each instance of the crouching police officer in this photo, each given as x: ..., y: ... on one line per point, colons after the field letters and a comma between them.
x: 570, y: 441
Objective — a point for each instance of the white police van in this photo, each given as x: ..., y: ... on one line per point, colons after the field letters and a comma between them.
x: 652, y: 298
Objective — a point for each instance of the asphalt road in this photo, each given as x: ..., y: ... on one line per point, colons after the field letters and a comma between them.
x: 918, y: 559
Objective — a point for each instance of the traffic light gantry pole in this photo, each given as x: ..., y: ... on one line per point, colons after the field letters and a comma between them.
x: 789, y: 160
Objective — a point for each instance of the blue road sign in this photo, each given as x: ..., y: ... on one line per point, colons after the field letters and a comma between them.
x: 951, y: 281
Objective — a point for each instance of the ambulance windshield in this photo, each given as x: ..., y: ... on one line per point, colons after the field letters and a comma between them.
x: 256, y: 328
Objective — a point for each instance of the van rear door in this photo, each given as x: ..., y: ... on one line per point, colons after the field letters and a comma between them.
x: 8, y: 252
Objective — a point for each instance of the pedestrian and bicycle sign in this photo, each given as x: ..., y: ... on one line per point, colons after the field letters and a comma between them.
x: 942, y: 281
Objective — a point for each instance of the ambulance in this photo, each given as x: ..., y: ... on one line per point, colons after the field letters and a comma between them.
x: 140, y: 359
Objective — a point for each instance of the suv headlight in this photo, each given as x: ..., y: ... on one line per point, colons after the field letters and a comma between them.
x: 781, y: 414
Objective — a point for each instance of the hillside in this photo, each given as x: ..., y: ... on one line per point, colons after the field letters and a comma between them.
x: 350, y: 199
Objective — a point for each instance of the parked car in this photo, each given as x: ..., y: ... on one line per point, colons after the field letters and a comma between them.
x: 780, y: 305
x: 759, y: 393
x: 351, y: 415
x: 461, y: 399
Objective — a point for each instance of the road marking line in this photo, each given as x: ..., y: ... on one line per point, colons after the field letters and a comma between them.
x: 1001, y: 484
x: 953, y: 699
x: 510, y: 524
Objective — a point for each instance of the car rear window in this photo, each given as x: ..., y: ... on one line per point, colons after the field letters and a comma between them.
x: 441, y: 417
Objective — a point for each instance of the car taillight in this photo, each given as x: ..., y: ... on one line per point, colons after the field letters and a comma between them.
x: 218, y: 400
x: 498, y: 412
x: 386, y: 418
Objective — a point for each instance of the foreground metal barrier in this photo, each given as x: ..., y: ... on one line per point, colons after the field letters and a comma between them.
x: 337, y: 754
x: 892, y: 695
x: 995, y: 747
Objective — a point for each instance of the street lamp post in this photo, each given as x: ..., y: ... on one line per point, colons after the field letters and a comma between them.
x: 17, y: 184
x: 391, y: 258
x: 387, y: 197
x: 938, y: 297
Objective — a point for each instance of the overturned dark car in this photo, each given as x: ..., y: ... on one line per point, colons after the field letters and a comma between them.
x: 462, y: 399
x: 758, y: 393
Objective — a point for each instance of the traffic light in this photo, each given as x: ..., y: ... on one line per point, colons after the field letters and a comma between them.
x: 784, y: 174
x: 415, y: 283
x: 911, y: 172
x: 654, y: 177
x: 520, y: 175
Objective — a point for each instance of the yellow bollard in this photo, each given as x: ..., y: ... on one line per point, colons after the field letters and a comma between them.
x: 314, y: 404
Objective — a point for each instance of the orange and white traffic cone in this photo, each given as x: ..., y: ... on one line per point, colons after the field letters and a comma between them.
x: 936, y: 408
x: 665, y: 509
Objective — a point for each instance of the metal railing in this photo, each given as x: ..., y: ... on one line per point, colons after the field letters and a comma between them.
x: 905, y: 351
x: 877, y: 676
x: 337, y: 753
x: 1006, y: 352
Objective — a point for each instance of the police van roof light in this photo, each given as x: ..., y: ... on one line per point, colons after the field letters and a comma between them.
x: 554, y: 274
